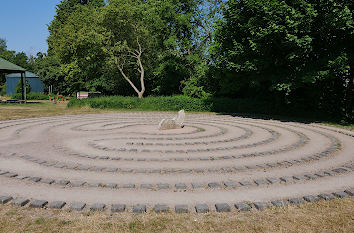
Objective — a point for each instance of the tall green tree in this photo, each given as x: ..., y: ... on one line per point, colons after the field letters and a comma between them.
x: 297, y: 52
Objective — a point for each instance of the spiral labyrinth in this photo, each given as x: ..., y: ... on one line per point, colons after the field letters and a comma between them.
x: 121, y: 162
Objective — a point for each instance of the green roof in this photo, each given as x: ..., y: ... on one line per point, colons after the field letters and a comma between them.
x: 8, y: 67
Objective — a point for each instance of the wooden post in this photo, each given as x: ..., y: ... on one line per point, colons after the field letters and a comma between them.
x: 25, y: 91
x: 22, y: 89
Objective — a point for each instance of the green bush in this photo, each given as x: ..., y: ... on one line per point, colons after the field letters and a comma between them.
x: 176, y: 103
x: 189, y: 104
x: 31, y: 96
x: 19, y: 87
x: 3, y: 90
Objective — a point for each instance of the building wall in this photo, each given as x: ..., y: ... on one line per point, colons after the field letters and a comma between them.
x: 35, y: 83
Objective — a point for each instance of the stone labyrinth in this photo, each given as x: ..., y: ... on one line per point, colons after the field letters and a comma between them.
x: 123, y: 163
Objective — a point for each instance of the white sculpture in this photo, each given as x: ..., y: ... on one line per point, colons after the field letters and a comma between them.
x: 175, y: 123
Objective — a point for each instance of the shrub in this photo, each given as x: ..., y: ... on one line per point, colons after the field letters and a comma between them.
x: 19, y: 87
x: 31, y: 96
x: 176, y: 103
x: 3, y: 90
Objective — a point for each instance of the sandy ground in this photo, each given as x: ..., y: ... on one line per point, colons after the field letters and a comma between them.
x: 62, y: 139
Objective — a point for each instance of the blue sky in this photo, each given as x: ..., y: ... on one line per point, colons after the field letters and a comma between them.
x: 23, y: 24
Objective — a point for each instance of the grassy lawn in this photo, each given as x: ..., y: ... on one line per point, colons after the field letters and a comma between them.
x: 41, y: 108
x: 324, y: 216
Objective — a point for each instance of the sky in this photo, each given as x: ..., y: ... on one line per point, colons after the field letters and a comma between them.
x: 23, y: 24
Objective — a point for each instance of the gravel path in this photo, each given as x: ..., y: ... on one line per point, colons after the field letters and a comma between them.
x: 124, y: 159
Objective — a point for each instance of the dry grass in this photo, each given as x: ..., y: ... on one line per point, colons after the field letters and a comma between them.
x: 325, y: 216
x: 41, y: 108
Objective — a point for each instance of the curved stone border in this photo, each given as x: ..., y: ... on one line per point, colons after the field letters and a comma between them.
x: 182, y: 186
x: 182, y: 208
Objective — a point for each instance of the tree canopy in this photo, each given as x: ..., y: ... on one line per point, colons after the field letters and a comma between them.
x: 296, y: 53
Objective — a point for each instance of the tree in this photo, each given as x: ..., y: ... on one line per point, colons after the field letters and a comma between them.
x: 126, y: 38
x: 295, y: 52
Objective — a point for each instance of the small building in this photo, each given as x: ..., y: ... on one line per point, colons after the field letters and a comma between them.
x: 34, y: 81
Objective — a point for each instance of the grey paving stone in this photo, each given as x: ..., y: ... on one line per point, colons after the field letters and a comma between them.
x: 83, y: 168
x: 5, y: 199
x: 181, y: 209
x: 273, y: 180
x: 239, y: 168
x: 78, y: 206
x: 279, y: 203
x: 3, y: 172
x: 118, y: 208
x: 198, y: 170
x: 350, y: 192
x: 201, y: 208
x: 214, y: 185
x: 320, y: 174
x: 97, y: 207
x: 71, y: 167
x: 310, y: 176
x: 243, y: 206
x: 112, y: 169
x: 330, y: 173
x: 340, y: 170
x: 161, y: 208
x: 48, y: 181
x: 20, y: 202
x: 245, y: 183
x: 63, y: 182
x: 197, y: 185
x: 112, y: 186
x: 230, y: 184
x: 94, y: 185
x: 227, y: 169
x: 139, y: 209
x: 180, y: 186
x: 21, y: 177
x: 10, y: 175
x: 340, y: 194
x: 156, y: 171
x: 140, y: 171
x: 299, y: 177
x: 295, y: 201
x: 286, y: 179
x: 260, y: 182
x: 163, y: 186
x: 57, y: 205
x: 38, y: 204
x: 262, y: 165
x: 129, y: 186
x: 261, y: 205
x: 326, y: 196
x: 35, y: 179
x: 146, y: 186
x: 311, y: 198
x: 222, y: 207
x: 251, y: 167
x: 186, y: 171
x: 77, y: 183
x: 171, y: 170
